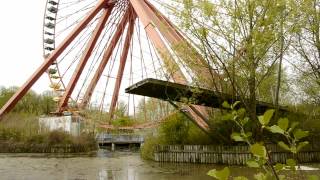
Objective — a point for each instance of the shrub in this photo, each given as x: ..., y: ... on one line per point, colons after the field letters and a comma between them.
x: 175, y: 129
x: 148, y: 148
x: 123, y: 121
x: 59, y: 137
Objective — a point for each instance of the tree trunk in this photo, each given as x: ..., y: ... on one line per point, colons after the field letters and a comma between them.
x: 279, y: 71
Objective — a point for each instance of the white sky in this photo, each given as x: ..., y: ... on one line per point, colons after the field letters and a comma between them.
x: 21, y: 42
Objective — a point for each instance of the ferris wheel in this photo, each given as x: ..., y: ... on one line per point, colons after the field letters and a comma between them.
x: 113, y: 46
x: 93, y: 49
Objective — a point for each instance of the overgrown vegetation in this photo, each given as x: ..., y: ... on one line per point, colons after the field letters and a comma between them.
x: 21, y: 126
x: 175, y: 129
x: 32, y: 103
x: 293, y: 142
x: 24, y: 128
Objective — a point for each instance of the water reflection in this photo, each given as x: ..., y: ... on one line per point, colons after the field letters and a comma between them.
x: 109, y: 166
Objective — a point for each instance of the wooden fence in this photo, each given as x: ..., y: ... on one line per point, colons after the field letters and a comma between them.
x: 230, y: 155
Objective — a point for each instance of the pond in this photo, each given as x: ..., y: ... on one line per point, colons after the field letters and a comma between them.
x: 109, y: 166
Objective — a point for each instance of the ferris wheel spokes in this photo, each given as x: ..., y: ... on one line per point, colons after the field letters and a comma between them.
x: 85, y: 57
x: 105, y: 59
x: 50, y: 60
x: 161, y: 33
x: 123, y: 60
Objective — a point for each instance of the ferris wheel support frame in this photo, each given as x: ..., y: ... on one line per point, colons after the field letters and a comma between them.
x: 201, y: 66
x: 150, y: 20
x: 50, y: 60
x: 85, y: 57
x: 105, y: 59
x: 153, y: 26
x: 122, y: 65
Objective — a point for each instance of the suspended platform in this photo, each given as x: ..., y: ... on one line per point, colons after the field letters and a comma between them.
x: 170, y: 91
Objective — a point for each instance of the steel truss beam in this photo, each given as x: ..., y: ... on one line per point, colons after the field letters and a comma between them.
x: 84, y: 59
x: 122, y: 65
x: 196, y: 63
x: 147, y: 18
x: 151, y: 22
x: 105, y: 59
x: 50, y: 60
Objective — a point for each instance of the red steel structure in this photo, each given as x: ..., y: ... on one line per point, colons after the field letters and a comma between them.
x: 122, y: 16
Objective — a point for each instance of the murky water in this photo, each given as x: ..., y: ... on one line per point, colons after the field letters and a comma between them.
x: 105, y: 166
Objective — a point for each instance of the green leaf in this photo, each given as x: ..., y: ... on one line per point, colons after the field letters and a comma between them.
x: 293, y: 126
x: 260, y: 176
x: 283, y: 123
x: 237, y: 137
x: 260, y: 118
x: 253, y: 164
x: 241, y: 112
x: 299, y: 134
x: 284, y: 145
x: 282, y: 177
x: 275, y: 129
x: 258, y: 150
x: 248, y: 134
x: 226, y: 105
x: 279, y: 166
x: 265, y: 119
x: 234, y: 105
x: 313, y: 177
x: 244, y: 121
x: 227, y: 117
x: 291, y: 162
x: 301, y: 145
x: 221, y: 175
x: 240, y: 178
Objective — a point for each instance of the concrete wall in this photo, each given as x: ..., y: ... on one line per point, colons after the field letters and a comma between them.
x: 70, y: 124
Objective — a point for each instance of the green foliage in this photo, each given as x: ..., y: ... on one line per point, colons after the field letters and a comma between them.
x: 175, y: 129
x: 240, y: 178
x: 283, y: 123
x: 265, y: 119
x: 299, y: 134
x: 313, y: 177
x: 275, y: 129
x: 24, y: 128
x: 123, y: 121
x: 148, y: 148
x: 221, y: 175
x: 237, y: 137
x: 259, y: 150
x: 31, y: 103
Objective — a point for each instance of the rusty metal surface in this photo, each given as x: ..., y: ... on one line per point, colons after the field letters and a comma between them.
x: 151, y: 22
x: 182, y: 93
x: 122, y: 65
x: 56, y: 53
x: 105, y: 59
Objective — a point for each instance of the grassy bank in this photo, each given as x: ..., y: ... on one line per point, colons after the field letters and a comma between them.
x: 19, y: 133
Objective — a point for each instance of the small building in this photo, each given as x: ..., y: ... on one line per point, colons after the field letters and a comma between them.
x: 70, y: 124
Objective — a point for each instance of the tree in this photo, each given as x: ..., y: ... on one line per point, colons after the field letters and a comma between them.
x: 239, y: 40
x: 32, y: 103
x: 307, y: 46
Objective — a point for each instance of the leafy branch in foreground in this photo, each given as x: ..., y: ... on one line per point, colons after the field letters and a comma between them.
x: 261, y: 157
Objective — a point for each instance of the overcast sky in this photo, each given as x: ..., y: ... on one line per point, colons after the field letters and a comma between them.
x: 21, y: 42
